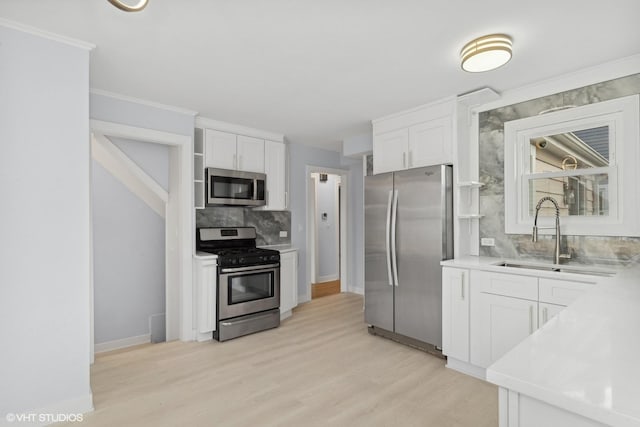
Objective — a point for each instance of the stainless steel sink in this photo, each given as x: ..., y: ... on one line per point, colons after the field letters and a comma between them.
x: 555, y: 268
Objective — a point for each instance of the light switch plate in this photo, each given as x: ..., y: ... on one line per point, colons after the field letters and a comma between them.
x: 487, y: 241
x: 283, y: 233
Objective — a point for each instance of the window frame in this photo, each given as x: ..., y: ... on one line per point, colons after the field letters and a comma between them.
x: 622, y: 116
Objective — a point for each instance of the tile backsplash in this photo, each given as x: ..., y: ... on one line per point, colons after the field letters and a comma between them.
x: 586, y: 249
x: 268, y: 224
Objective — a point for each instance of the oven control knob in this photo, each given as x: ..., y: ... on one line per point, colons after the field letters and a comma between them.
x: 274, y: 257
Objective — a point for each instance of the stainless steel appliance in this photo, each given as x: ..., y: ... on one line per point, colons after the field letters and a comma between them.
x: 408, y: 231
x: 248, y: 291
x: 236, y: 188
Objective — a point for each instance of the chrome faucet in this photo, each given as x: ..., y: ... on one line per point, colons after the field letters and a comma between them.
x: 557, y: 254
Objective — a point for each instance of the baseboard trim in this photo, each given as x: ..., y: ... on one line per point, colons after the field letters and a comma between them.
x: 467, y: 368
x: 329, y: 278
x: 302, y: 298
x: 285, y: 314
x: 122, y: 343
x: 204, y: 336
x: 356, y: 290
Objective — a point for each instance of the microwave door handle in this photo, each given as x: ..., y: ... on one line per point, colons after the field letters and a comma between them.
x: 255, y: 189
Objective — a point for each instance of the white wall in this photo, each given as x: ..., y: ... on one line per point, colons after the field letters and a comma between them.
x: 327, y: 229
x: 44, y: 225
x: 128, y: 249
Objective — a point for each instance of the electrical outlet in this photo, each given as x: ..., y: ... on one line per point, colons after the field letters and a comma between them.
x: 283, y: 233
x: 488, y: 241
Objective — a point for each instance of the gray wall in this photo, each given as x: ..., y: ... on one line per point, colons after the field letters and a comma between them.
x: 128, y: 237
x: 327, y: 229
x: 44, y: 255
x: 268, y: 224
x: 129, y: 248
x: 587, y: 249
x: 301, y: 156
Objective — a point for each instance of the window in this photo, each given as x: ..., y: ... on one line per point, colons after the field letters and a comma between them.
x: 586, y: 158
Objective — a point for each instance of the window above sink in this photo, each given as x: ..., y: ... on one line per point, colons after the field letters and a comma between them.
x: 587, y: 158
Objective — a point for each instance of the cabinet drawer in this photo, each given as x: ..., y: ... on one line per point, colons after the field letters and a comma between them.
x: 562, y: 292
x: 511, y: 285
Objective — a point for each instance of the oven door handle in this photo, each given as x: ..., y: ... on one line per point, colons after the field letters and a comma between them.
x: 252, y: 268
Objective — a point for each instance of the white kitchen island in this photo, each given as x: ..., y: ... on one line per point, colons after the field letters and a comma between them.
x: 582, y: 368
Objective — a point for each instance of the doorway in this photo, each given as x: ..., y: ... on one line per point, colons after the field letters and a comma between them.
x: 327, y: 231
x: 175, y: 205
x: 129, y: 248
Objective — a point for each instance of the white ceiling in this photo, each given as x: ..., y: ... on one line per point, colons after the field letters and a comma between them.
x: 319, y: 71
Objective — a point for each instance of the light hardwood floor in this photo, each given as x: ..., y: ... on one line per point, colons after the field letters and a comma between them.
x: 319, y: 368
x: 323, y: 289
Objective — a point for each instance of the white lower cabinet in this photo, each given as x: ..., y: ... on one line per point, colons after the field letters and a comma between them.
x: 548, y: 311
x: 486, y: 313
x: 206, y: 276
x: 455, y: 313
x: 502, y: 323
x: 288, y: 282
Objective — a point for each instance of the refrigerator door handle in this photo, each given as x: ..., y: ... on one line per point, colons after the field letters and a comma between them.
x: 386, y: 238
x: 394, y: 224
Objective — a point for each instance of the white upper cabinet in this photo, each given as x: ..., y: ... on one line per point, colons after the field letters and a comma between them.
x: 236, y: 152
x: 275, y: 167
x: 220, y: 149
x: 415, y: 138
x: 430, y: 143
x: 390, y: 151
x: 250, y: 152
x: 234, y: 147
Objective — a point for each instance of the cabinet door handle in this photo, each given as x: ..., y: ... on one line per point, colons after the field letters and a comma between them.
x: 530, y: 319
x: 462, y: 286
x: 410, y: 158
x: 545, y: 315
x: 404, y: 160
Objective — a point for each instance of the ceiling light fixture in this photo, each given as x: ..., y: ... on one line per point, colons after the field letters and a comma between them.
x: 486, y: 53
x: 128, y: 8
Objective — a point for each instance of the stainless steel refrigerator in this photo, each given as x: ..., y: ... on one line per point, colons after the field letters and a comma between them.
x: 408, y: 231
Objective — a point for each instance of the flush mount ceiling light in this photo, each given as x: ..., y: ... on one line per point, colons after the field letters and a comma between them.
x: 486, y: 53
x: 130, y: 8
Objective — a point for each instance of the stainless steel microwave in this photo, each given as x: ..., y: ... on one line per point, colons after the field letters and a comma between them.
x: 235, y: 188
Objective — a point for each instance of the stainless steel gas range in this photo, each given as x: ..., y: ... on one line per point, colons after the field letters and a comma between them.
x: 248, y: 281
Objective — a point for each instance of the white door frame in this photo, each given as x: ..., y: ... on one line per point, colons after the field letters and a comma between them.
x: 178, y: 226
x: 311, y: 228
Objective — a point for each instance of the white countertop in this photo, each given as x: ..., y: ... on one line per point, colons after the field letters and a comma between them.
x: 488, y: 264
x: 585, y: 360
x: 204, y: 255
x: 281, y: 248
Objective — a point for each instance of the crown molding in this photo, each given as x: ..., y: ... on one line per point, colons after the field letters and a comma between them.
x: 585, y: 77
x: 46, y: 34
x: 203, y: 122
x: 145, y: 102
